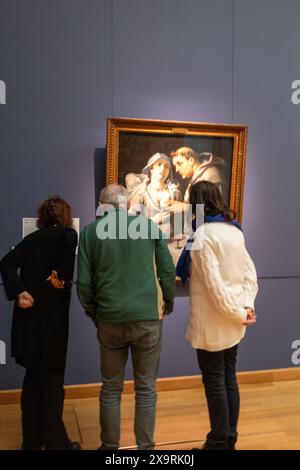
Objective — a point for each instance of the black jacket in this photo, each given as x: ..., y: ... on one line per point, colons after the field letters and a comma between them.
x: 40, y: 333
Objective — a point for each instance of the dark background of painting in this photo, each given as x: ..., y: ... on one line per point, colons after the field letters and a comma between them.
x: 135, y: 149
x: 69, y: 64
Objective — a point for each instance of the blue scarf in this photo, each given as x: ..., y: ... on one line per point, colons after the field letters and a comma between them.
x: 184, y: 262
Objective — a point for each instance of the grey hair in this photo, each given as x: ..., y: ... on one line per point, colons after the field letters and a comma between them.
x: 114, y: 195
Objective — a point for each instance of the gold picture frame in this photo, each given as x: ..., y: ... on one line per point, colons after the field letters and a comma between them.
x: 131, y: 142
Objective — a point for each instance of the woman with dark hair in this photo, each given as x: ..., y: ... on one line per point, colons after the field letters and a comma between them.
x: 223, y: 287
x: 38, y: 275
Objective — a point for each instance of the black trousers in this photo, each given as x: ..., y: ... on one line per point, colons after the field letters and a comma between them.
x: 222, y: 394
x: 42, y: 407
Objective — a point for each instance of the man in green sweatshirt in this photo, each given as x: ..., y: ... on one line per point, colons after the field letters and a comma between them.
x: 126, y: 284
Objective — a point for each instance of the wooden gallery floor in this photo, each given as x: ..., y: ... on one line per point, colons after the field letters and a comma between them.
x: 270, y: 419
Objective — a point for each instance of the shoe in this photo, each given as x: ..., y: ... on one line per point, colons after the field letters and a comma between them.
x: 33, y: 448
x: 105, y: 448
x: 30, y: 447
x: 204, y: 447
x: 75, y: 446
x: 231, y: 443
x: 212, y: 446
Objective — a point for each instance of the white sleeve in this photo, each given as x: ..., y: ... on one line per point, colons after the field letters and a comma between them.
x: 250, y: 282
x: 223, y: 299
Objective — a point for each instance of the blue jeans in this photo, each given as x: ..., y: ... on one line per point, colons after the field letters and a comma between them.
x: 143, y: 338
x: 222, y: 394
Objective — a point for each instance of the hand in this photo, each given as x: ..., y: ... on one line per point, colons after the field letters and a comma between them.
x: 25, y: 300
x: 251, y: 317
x: 157, y: 218
x: 165, y: 314
x: 55, y: 281
x: 177, y: 206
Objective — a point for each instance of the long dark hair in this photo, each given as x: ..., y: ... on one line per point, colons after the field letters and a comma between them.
x: 210, y: 195
x: 54, y: 211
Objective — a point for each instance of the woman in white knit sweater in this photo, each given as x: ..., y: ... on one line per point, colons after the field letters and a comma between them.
x: 223, y: 287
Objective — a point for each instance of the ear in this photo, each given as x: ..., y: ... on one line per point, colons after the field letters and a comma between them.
x: 99, y: 210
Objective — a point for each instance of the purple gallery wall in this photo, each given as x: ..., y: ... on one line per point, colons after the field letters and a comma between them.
x: 68, y: 64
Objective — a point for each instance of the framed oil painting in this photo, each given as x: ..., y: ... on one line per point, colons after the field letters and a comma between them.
x: 158, y: 161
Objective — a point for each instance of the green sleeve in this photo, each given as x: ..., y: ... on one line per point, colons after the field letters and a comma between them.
x: 85, y: 276
x: 166, y: 273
